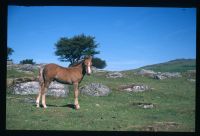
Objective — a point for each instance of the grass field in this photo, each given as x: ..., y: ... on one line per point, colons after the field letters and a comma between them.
x: 178, y: 65
x: 174, y: 109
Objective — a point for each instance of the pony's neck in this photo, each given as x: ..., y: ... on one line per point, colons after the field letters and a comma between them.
x: 82, y: 67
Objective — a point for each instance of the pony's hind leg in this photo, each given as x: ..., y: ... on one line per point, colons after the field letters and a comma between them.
x: 38, y: 99
x: 41, y: 84
x: 43, y: 92
x: 39, y: 95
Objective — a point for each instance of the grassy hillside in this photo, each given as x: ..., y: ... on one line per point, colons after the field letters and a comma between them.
x: 178, y: 65
x: 174, y: 110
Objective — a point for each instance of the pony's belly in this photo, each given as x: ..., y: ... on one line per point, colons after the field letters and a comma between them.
x: 63, y: 81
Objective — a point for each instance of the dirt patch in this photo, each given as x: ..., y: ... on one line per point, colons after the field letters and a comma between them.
x: 161, y: 126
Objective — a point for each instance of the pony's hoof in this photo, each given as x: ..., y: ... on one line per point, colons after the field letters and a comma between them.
x: 44, y: 106
x: 77, y: 107
x: 37, y: 104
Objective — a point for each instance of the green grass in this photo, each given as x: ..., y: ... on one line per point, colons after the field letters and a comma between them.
x: 174, y: 101
x: 13, y: 73
x: 178, y: 65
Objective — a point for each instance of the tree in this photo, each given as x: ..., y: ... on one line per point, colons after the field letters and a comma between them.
x: 9, y: 52
x: 98, y: 63
x: 27, y: 61
x: 75, y: 48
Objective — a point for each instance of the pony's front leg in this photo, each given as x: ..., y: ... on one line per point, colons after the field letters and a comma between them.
x: 76, y: 96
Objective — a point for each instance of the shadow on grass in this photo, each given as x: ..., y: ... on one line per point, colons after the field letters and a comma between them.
x: 72, y: 106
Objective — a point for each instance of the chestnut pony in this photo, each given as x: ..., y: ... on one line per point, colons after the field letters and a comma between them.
x: 72, y: 75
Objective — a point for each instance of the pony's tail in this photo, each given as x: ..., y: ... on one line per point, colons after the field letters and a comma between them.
x: 40, y: 76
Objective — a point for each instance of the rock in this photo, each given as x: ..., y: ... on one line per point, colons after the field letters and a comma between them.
x: 95, y: 89
x: 26, y: 88
x: 114, y: 75
x: 9, y: 62
x: 12, y: 81
x: 159, y: 75
x: 24, y: 79
x: 192, y: 80
x: 171, y: 75
x: 58, y: 90
x: 148, y: 73
x: 135, y: 88
x: 27, y: 67
x: 191, y: 74
x: 55, y: 89
x: 144, y: 105
x: 9, y: 82
x: 94, y: 70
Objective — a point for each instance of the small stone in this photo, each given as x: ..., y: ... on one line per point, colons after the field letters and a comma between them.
x: 148, y: 106
x: 97, y: 105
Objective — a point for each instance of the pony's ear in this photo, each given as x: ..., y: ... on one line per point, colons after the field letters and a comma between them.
x: 88, y: 57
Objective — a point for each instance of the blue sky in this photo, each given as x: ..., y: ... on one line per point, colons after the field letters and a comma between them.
x: 128, y: 37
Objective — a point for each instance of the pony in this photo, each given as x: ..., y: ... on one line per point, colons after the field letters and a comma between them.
x: 72, y: 75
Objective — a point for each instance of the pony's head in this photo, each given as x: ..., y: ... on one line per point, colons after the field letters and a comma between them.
x: 88, y: 64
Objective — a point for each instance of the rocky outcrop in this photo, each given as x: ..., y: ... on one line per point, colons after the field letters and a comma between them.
x: 190, y: 74
x: 12, y: 81
x: 95, y: 89
x: 159, y: 75
x: 171, y: 75
x: 9, y: 62
x: 114, y: 75
x: 26, y: 88
x: 24, y: 67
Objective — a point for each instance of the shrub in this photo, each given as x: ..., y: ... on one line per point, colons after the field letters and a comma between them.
x: 98, y: 63
x: 27, y: 61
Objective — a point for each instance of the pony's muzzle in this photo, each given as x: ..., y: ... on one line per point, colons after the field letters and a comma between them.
x: 89, y: 71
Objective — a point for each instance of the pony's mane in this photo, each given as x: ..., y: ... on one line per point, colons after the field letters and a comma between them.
x: 76, y: 63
